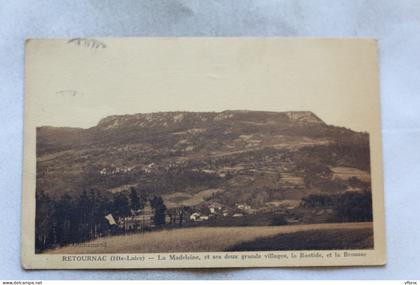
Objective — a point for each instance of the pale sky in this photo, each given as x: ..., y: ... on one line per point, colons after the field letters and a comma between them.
x: 76, y: 86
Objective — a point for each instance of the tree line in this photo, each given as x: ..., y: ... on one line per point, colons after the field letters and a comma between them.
x: 75, y: 219
x: 347, y: 206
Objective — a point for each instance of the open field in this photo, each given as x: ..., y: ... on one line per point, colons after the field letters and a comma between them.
x: 180, y: 199
x: 347, y: 172
x: 361, y: 238
x: 205, y: 239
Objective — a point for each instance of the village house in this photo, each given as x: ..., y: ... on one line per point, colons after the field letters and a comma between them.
x: 197, y: 217
x: 150, y: 168
x: 215, y: 207
x: 204, y: 218
x: 245, y: 208
x: 139, y: 221
x: 116, y: 170
x: 291, y: 221
x: 194, y: 216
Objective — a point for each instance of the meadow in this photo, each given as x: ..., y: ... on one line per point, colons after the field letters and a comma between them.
x: 208, y: 239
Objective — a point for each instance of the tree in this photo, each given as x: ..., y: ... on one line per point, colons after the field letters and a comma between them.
x: 159, y: 209
x: 182, y: 215
x: 103, y: 207
x: 316, y: 174
x: 85, y: 215
x: 44, y: 226
x: 68, y: 219
x: 64, y: 209
x: 98, y: 209
x: 354, y: 207
x: 135, y: 202
x: 120, y: 205
x: 278, y: 220
x: 317, y: 200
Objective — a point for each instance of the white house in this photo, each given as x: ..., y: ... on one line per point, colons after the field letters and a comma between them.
x: 195, y: 217
x: 204, y: 218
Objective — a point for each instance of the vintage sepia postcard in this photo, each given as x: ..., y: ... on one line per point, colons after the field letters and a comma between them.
x: 202, y: 152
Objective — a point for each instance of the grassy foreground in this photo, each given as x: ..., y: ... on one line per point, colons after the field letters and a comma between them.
x: 311, y: 240
x: 204, y: 239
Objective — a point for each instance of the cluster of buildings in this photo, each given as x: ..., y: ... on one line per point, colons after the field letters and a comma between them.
x: 144, y: 218
x: 116, y: 170
x: 138, y: 220
x: 218, y: 210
